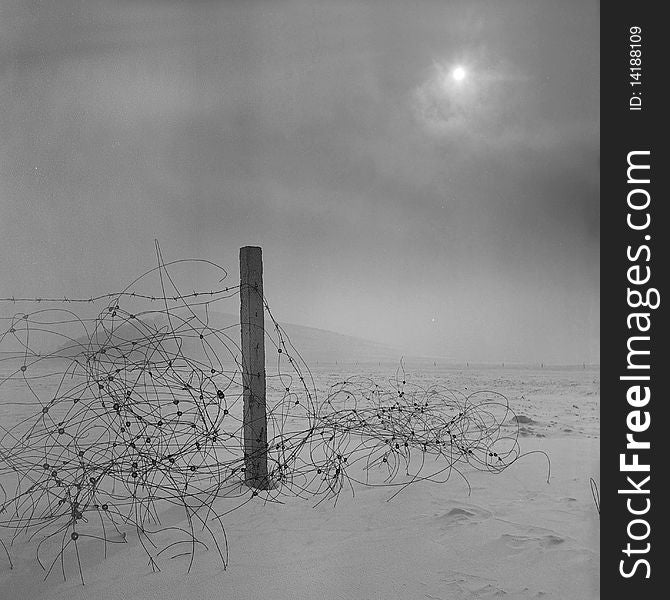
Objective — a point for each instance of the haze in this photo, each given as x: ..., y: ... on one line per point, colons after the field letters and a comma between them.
x: 391, y: 205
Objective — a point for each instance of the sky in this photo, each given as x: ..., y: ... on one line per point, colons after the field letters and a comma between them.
x: 393, y: 200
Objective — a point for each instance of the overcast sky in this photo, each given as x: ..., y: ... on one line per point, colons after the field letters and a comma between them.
x: 392, y: 201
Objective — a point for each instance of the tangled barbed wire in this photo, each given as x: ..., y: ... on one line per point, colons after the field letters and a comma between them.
x: 113, y: 419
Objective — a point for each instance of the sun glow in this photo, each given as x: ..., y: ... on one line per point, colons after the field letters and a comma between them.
x: 458, y: 74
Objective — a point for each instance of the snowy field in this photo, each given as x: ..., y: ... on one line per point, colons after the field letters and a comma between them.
x: 509, y: 535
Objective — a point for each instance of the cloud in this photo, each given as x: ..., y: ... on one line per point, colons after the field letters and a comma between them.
x: 330, y: 133
x: 495, y: 107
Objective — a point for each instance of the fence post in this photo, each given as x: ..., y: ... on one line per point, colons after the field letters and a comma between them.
x: 253, y: 367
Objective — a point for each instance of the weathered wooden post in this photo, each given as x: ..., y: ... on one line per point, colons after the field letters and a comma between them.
x: 253, y: 367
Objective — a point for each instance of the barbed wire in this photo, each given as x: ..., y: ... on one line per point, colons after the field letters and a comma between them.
x: 119, y: 416
x: 595, y: 493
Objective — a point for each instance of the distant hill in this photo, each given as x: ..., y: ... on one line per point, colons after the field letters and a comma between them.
x: 321, y: 345
x: 314, y: 345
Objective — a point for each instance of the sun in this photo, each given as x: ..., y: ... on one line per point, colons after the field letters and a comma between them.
x: 458, y: 74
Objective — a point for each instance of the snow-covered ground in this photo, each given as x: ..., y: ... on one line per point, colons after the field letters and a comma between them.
x: 511, y: 535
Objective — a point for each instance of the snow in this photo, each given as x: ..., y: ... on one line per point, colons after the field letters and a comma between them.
x: 509, y: 535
